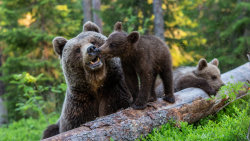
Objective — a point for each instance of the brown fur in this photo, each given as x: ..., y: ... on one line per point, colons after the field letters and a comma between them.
x: 145, y: 56
x: 95, y: 87
x: 51, y: 131
x: 205, y: 76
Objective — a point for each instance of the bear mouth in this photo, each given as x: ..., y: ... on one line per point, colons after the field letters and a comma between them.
x: 95, y: 63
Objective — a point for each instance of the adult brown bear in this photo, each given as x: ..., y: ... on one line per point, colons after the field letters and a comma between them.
x: 95, y: 86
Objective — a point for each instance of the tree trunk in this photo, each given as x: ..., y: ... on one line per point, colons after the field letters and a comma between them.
x: 86, y: 5
x: 158, y: 20
x: 3, y: 110
x: 96, y: 4
x: 3, y: 113
x: 1, y: 83
x: 190, y: 106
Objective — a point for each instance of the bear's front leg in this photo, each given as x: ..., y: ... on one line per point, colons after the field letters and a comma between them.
x: 131, y: 80
x: 167, y: 79
x: 78, y: 109
x: 145, y: 89
x: 115, y: 99
x: 191, y: 81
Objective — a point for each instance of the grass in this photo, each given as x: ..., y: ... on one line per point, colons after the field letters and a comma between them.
x: 26, y: 129
x: 230, y: 124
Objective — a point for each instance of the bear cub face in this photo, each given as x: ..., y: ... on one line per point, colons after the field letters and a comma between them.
x: 210, y: 72
x: 119, y: 43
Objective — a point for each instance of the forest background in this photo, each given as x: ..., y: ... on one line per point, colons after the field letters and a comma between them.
x: 32, y: 84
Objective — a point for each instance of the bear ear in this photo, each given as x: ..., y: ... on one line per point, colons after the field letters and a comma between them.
x: 118, y: 26
x: 133, y: 37
x: 90, y: 26
x: 215, y: 62
x: 58, y: 44
x: 202, y: 64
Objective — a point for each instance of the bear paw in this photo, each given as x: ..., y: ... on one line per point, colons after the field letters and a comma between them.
x: 170, y: 99
x: 131, y: 100
x: 152, y: 99
x: 212, y: 92
x: 139, y: 105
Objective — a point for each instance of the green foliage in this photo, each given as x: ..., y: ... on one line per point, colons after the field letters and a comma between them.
x: 193, y: 29
x: 135, y: 15
x: 225, y: 25
x: 232, y: 89
x: 35, y: 99
x: 33, y: 102
x: 229, y: 124
x: 26, y: 129
x: 26, y: 31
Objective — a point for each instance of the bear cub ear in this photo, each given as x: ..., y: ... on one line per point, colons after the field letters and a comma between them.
x: 58, y: 44
x: 118, y: 26
x: 90, y: 26
x: 202, y: 64
x: 133, y: 37
x: 215, y: 62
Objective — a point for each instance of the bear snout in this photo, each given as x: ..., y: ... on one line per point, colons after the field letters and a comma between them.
x: 93, y: 51
x: 105, y: 51
x: 97, y: 51
x: 219, y: 86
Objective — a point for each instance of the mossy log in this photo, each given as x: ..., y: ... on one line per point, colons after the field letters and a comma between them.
x: 191, y: 105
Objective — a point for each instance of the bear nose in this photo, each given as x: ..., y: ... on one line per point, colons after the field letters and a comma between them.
x: 97, y: 50
x: 91, y: 49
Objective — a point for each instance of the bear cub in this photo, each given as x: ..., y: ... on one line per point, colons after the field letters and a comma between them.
x: 205, y: 76
x: 142, y: 57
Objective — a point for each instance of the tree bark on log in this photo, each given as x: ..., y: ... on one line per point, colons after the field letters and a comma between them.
x: 191, y: 105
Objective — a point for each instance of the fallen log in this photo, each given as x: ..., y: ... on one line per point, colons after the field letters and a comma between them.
x: 191, y: 105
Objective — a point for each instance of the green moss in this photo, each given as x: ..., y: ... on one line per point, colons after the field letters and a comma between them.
x: 26, y: 129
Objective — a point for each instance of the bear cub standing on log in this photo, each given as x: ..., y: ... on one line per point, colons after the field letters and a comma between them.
x: 205, y: 76
x: 145, y: 56
x: 95, y: 86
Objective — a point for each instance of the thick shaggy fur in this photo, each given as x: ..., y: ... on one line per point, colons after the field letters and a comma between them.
x: 145, y: 56
x: 92, y: 90
x: 51, y: 131
x: 205, y: 76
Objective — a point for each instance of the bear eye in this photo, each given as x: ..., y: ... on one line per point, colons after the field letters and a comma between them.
x: 93, y: 42
x: 214, y: 77
x: 78, y: 50
x: 111, y: 45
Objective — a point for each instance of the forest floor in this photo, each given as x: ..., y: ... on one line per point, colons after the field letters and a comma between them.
x: 231, y: 123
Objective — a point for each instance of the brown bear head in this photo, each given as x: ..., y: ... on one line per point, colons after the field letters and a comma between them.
x: 210, y: 72
x: 78, y: 57
x: 119, y: 43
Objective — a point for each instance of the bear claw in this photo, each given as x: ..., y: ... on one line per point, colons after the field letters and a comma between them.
x: 152, y: 99
x: 139, y: 106
x: 170, y: 99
